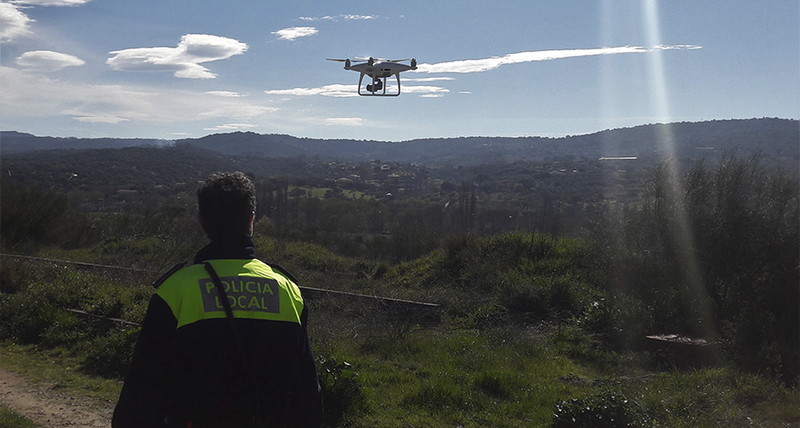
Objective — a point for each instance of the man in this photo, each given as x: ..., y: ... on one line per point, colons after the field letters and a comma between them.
x: 200, y: 362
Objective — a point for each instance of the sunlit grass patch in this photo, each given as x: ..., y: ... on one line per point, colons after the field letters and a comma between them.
x: 59, y: 368
x: 468, y: 378
x: 11, y: 419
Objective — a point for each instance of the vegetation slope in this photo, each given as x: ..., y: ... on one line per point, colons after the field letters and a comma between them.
x: 532, y: 328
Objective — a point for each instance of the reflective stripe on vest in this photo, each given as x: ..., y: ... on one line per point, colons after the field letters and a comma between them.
x: 254, y: 291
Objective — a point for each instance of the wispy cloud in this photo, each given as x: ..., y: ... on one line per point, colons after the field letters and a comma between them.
x: 340, y: 90
x: 230, y: 127
x: 337, y: 18
x: 101, y: 119
x: 423, y: 90
x: 427, y: 79
x: 294, y: 33
x: 48, y: 60
x: 334, y: 90
x: 237, y: 110
x: 184, y: 60
x: 13, y: 23
x: 51, y: 2
x: 228, y: 94
x: 28, y: 95
x: 344, y: 121
x: 677, y: 47
x: 486, y: 64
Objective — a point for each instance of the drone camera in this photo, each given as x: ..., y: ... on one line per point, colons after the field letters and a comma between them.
x: 377, y: 86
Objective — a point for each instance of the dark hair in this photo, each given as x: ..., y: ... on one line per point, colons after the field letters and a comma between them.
x: 225, y: 202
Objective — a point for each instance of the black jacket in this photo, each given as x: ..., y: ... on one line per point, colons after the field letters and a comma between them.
x: 219, y: 372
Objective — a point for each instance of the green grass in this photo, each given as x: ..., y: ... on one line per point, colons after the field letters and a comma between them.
x: 11, y: 419
x: 59, y: 368
x: 499, y: 377
x: 465, y: 378
x: 482, y: 363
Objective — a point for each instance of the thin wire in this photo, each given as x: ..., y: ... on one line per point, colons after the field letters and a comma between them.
x: 302, y: 288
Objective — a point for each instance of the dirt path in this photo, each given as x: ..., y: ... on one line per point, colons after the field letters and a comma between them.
x: 49, y: 407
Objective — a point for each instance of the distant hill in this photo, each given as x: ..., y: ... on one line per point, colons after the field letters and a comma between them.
x: 18, y: 142
x: 142, y: 167
x: 777, y: 140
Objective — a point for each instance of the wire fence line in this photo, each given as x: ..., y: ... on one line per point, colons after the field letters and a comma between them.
x: 71, y: 262
x: 304, y: 289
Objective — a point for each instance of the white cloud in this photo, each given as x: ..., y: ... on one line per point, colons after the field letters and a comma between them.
x: 317, y: 18
x: 425, y: 91
x: 295, y: 32
x: 358, y: 17
x: 26, y: 95
x: 486, y: 64
x: 230, y: 127
x: 184, y: 60
x: 13, y: 23
x: 337, y: 17
x: 344, y: 121
x: 677, y: 47
x: 237, y: 110
x: 101, y: 119
x: 340, y: 90
x: 428, y: 79
x: 51, y: 2
x: 228, y: 94
x: 48, y: 60
x: 334, y: 90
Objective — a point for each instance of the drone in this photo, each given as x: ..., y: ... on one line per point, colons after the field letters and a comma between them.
x: 379, y: 70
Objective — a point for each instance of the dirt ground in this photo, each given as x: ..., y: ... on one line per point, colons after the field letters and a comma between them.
x: 49, y: 407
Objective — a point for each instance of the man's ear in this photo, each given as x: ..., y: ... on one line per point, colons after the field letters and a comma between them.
x: 250, y: 223
x: 202, y: 225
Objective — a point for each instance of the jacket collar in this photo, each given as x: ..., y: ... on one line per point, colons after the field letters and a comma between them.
x: 236, y: 247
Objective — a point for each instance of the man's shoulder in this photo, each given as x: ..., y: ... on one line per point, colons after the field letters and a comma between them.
x: 279, y: 269
x: 182, y: 273
x: 163, y: 278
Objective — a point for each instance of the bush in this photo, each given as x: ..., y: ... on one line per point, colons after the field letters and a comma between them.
x: 341, y: 389
x: 37, y: 313
x: 37, y: 216
x: 707, y: 249
x: 110, y: 355
x: 24, y: 317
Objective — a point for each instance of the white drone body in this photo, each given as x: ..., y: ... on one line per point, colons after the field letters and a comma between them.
x: 379, y: 70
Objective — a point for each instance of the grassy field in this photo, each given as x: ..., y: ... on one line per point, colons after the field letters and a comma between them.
x: 506, y: 347
x: 493, y: 378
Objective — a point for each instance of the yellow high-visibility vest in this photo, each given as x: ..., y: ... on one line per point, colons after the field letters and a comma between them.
x: 254, y: 291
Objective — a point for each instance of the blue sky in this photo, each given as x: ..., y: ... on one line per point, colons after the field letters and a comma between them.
x: 184, y: 68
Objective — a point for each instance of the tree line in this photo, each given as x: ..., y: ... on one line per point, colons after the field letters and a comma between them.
x: 708, y: 250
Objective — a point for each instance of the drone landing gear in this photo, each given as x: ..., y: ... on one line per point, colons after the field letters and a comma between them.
x: 378, y: 87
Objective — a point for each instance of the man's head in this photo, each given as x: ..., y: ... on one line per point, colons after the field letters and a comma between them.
x: 227, y: 204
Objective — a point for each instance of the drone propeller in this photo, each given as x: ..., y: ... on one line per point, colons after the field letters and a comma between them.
x: 361, y: 58
x: 337, y: 60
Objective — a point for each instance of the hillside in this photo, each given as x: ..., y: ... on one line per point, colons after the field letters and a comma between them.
x: 19, y: 142
x: 776, y: 139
